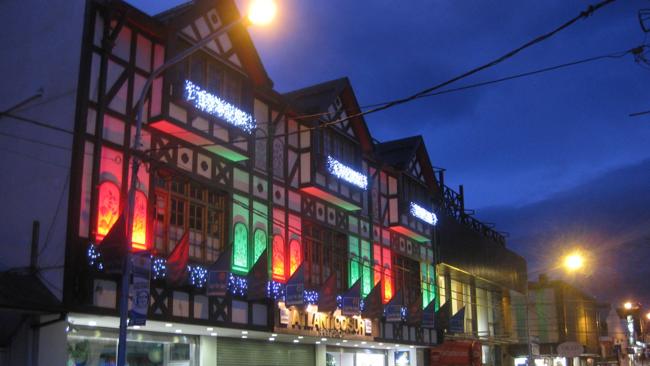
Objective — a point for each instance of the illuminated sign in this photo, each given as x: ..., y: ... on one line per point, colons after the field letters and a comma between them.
x: 423, y: 214
x: 314, y: 323
x: 346, y: 173
x: 213, y: 105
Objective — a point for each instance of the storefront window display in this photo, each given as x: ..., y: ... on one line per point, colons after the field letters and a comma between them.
x: 98, y: 347
x: 355, y: 357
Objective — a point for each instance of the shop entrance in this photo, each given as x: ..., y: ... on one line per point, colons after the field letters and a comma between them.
x: 355, y: 357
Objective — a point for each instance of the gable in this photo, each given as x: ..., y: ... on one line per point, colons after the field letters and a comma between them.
x: 192, y: 22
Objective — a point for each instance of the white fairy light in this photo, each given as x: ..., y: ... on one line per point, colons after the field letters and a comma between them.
x: 423, y: 214
x: 212, y: 104
x: 346, y: 173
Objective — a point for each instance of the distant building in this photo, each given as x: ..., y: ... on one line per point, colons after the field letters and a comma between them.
x: 558, y: 312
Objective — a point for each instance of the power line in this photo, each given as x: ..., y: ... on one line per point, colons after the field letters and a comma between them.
x: 584, y: 14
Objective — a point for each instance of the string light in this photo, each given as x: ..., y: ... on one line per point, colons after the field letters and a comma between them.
x: 310, y: 297
x: 237, y: 285
x: 423, y: 214
x: 159, y: 268
x: 346, y: 173
x: 94, y: 257
x: 198, y: 276
x: 275, y: 290
x: 404, y: 312
x: 218, y: 107
x: 339, y: 301
x: 362, y: 305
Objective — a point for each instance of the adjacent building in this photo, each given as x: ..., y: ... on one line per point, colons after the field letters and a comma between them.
x: 234, y: 168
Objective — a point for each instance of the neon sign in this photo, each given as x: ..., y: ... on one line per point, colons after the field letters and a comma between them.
x: 346, y: 173
x: 423, y: 214
x: 213, y: 105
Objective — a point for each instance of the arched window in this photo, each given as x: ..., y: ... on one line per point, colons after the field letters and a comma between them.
x: 278, y: 258
x: 259, y: 243
x: 240, y: 248
x: 108, y: 207
x: 139, y: 236
x: 295, y: 255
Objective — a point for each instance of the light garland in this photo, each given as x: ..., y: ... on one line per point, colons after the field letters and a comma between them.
x: 339, y: 301
x: 198, y: 276
x: 362, y: 305
x: 158, y: 268
x: 423, y: 214
x: 275, y: 290
x: 94, y: 257
x: 346, y: 173
x: 213, y: 105
x: 310, y: 297
x: 237, y: 285
x: 404, y: 312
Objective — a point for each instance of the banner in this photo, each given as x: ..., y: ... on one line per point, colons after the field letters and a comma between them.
x: 115, y: 246
x: 139, y: 290
x: 218, y: 275
x: 429, y: 316
x: 327, y: 295
x: 351, y: 300
x: 457, y: 322
x: 258, y: 278
x: 393, y: 309
x: 177, y: 261
x: 296, y: 288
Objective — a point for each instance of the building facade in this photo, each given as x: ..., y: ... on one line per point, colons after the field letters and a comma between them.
x: 236, y: 170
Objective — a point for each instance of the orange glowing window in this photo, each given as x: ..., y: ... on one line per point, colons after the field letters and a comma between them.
x: 295, y: 256
x: 108, y: 208
x: 387, y: 282
x: 278, y: 258
x: 139, y: 236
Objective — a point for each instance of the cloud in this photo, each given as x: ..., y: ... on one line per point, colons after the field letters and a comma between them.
x: 607, y: 217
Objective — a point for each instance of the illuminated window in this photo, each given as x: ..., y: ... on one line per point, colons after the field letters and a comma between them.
x: 407, y: 277
x: 259, y: 241
x: 428, y: 283
x: 139, y: 235
x: 295, y: 256
x: 108, y: 208
x: 360, y: 265
x: 181, y: 206
x: 387, y: 282
x: 325, y: 254
x: 278, y: 258
x: 240, y: 249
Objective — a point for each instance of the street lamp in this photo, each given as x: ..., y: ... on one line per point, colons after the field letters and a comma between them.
x: 627, y: 306
x: 574, y: 261
x: 260, y: 12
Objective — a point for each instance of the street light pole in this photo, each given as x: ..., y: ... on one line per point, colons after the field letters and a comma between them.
x: 126, y: 274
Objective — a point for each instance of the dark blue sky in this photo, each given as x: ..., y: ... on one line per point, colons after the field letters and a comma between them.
x: 509, y: 144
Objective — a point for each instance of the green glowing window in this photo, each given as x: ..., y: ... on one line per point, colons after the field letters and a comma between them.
x: 240, y: 249
x: 366, y: 272
x: 428, y: 282
x: 259, y: 241
x: 355, y: 271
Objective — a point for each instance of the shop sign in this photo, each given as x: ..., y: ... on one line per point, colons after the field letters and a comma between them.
x: 569, y: 349
x: 323, y: 324
x: 368, y: 326
x: 139, y: 290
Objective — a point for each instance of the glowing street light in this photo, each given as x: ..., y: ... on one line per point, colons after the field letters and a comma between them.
x: 627, y: 305
x: 262, y: 12
x: 574, y: 262
x: 647, y: 316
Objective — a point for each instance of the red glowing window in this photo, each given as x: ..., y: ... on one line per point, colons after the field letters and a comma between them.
x: 295, y: 256
x: 387, y: 283
x: 278, y: 258
x: 139, y: 235
x: 108, y: 208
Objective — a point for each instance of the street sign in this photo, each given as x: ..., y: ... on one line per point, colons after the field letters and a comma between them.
x: 139, y: 289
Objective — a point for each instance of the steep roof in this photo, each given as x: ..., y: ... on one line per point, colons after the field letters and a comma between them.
x: 26, y: 292
x: 398, y: 153
x: 317, y: 98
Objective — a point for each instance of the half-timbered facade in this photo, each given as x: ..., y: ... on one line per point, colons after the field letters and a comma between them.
x: 233, y: 169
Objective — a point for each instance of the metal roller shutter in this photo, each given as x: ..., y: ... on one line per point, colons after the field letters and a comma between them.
x: 237, y: 352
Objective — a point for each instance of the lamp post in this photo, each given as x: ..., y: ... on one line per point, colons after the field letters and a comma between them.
x: 260, y: 12
x: 571, y: 263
